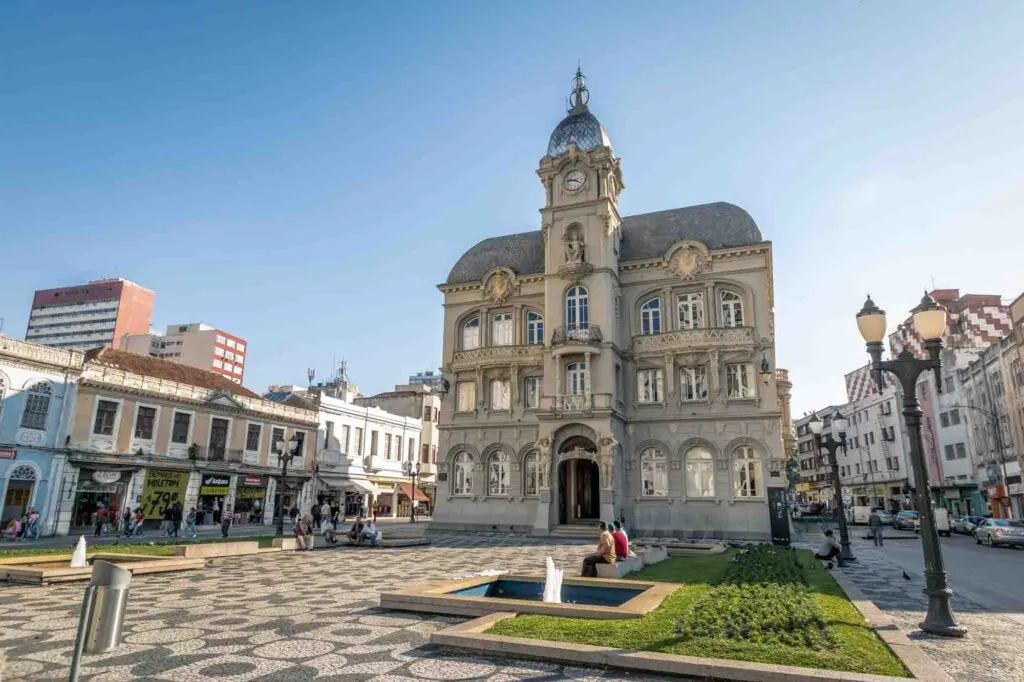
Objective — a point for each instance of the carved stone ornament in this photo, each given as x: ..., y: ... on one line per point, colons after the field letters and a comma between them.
x: 690, y: 259
x: 499, y: 286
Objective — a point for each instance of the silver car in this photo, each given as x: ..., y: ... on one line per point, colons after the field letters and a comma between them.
x: 966, y: 524
x: 995, y: 532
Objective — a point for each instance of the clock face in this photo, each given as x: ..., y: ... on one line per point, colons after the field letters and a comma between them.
x: 574, y: 180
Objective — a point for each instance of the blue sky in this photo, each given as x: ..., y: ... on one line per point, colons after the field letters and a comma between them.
x: 304, y: 174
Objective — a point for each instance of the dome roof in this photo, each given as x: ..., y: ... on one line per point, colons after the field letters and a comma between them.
x: 583, y: 128
x: 580, y: 126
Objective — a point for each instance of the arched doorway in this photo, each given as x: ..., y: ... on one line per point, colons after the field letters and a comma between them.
x: 20, y: 489
x: 579, y: 490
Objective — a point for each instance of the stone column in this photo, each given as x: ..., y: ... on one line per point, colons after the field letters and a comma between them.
x: 394, y: 502
x: 485, y: 327
x: 710, y: 308
x: 518, y: 336
x: 589, y: 377
x: 542, y: 521
x: 668, y: 321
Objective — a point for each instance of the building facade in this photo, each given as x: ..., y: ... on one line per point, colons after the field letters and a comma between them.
x: 421, y: 402
x: 147, y: 432
x: 98, y: 313
x: 194, y: 344
x: 37, y: 392
x: 435, y: 380
x: 607, y: 365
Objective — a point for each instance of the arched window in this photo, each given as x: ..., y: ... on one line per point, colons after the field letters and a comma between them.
x: 471, y: 334
x: 23, y: 473
x: 732, y: 309
x: 531, y: 474
x: 462, y: 474
x: 576, y: 378
x: 654, y: 473
x: 37, y: 406
x: 497, y: 474
x: 577, y: 311
x: 534, y: 328
x: 650, y: 317
x: 700, y: 473
x: 748, y: 472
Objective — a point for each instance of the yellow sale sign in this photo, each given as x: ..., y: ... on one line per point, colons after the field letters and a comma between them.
x: 162, y: 488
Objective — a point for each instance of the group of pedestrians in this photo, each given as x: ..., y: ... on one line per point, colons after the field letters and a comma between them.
x: 27, y: 527
x: 325, y: 517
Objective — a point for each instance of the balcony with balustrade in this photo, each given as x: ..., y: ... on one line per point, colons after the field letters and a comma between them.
x: 575, y: 338
x: 703, y: 338
x: 497, y: 355
x: 576, y: 403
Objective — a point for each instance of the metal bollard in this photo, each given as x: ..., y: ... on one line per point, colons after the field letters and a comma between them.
x: 102, y: 617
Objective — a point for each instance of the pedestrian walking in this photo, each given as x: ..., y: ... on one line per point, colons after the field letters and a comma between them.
x: 140, y: 518
x: 168, y: 523
x: 304, y: 532
x: 101, y: 521
x: 325, y: 514
x: 225, y: 521
x: 335, y: 515
x: 127, y: 521
x: 190, y: 523
x: 176, y: 514
x: 294, y: 513
x: 32, y: 529
x: 875, y: 524
x: 314, y: 513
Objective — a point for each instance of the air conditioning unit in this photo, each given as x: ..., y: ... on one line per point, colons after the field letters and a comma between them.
x: 368, y: 463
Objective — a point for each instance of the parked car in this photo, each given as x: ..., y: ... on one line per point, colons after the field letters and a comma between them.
x: 885, y: 515
x: 966, y: 524
x: 942, y: 525
x: 995, y: 532
x: 904, y: 520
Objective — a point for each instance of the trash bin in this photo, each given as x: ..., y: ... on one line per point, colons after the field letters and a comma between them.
x: 110, y: 584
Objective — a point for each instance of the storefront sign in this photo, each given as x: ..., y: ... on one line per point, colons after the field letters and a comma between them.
x: 1016, y: 488
x: 162, y: 488
x: 8, y: 454
x: 254, y: 481
x: 106, y: 477
x: 216, y: 484
x: 250, y: 493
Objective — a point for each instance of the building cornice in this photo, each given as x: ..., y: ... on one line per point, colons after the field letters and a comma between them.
x: 29, y: 355
x: 108, y: 378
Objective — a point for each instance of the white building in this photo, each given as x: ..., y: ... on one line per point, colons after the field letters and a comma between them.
x: 37, y: 392
x: 875, y: 465
x: 362, y: 452
x: 196, y: 345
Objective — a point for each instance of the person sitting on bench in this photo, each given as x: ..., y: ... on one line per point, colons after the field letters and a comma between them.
x: 830, y: 549
x: 621, y: 541
x: 605, y: 553
x: 355, y: 535
x: 371, y: 534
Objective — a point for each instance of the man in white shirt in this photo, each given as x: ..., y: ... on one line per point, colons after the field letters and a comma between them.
x: 830, y: 549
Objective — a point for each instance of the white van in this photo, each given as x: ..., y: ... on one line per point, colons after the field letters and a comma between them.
x: 942, y: 526
x: 859, y: 514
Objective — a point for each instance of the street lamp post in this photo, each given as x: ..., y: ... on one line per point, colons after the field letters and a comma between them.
x: 413, y: 470
x: 831, y: 445
x: 284, y: 457
x: 930, y: 323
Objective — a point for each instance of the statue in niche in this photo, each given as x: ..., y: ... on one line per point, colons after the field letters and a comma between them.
x: 573, y: 246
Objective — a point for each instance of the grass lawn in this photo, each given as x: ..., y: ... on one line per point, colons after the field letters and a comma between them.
x: 161, y: 547
x: 853, y: 646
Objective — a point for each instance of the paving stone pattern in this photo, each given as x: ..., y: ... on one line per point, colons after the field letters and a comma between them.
x: 289, y: 617
x: 992, y: 651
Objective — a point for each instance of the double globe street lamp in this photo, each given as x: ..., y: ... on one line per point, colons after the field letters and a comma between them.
x: 930, y: 324
x: 830, y: 444
x: 412, y: 469
x: 285, y: 453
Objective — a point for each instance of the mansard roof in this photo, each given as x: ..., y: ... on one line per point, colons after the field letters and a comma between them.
x: 649, y: 235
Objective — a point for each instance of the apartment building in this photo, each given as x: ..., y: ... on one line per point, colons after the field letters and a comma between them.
x: 98, y: 313
x: 194, y: 344
x: 147, y: 432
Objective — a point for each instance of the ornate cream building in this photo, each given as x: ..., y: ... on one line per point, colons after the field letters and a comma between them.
x: 611, y: 365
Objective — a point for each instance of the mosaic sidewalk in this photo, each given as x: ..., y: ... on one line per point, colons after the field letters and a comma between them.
x: 283, y: 617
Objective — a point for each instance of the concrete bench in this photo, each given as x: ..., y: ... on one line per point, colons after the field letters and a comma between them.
x: 651, y: 554
x: 620, y: 568
x: 217, y: 549
x: 394, y: 543
x: 285, y: 543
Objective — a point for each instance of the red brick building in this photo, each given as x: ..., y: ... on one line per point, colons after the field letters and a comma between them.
x: 98, y: 313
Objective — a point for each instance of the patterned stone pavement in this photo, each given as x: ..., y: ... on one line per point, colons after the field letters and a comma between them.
x: 288, y: 617
x: 991, y: 652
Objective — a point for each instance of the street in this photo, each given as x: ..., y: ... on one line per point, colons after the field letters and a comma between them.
x: 988, y: 576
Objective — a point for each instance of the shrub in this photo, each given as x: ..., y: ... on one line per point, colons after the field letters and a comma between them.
x: 762, y: 599
x: 764, y: 565
x: 758, y: 614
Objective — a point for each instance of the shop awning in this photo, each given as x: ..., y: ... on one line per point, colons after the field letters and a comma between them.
x: 357, y: 485
x: 406, y: 489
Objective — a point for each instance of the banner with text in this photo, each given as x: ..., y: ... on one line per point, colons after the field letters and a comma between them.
x: 162, y: 488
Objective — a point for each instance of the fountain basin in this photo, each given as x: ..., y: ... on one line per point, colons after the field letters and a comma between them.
x: 581, y: 597
x: 55, y: 568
